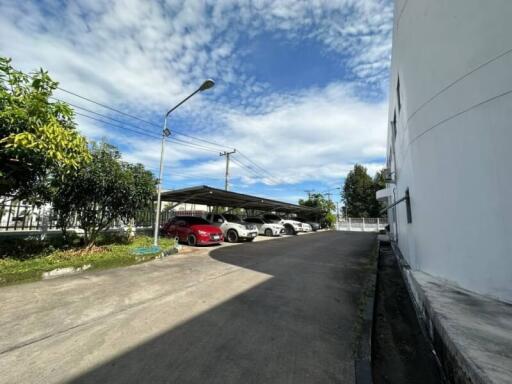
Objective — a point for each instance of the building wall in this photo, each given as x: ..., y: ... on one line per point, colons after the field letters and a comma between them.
x: 453, y: 146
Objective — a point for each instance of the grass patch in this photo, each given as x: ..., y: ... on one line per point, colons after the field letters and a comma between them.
x: 19, y: 266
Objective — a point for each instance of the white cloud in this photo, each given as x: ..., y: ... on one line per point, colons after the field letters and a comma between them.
x: 137, y: 55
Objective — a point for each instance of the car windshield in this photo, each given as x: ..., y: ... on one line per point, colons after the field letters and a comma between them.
x: 232, y: 218
x: 193, y: 220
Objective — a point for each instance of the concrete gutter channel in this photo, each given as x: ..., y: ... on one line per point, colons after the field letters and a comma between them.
x: 363, y: 364
x: 470, y: 335
x: 363, y: 350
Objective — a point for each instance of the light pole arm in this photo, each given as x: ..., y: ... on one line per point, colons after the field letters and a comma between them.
x: 181, y: 102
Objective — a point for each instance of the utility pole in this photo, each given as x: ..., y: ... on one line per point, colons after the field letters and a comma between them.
x: 308, y: 191
x: 225, y: 153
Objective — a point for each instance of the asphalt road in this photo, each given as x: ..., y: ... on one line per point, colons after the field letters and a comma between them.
x: 278, y: 311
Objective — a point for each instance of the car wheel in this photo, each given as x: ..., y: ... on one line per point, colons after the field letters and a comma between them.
x: 232, y: 236
x: 192, y: 241
x: 268, y: 232
x: 289, y: 230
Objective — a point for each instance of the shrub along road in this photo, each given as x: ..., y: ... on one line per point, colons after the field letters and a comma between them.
x: 281, y: 311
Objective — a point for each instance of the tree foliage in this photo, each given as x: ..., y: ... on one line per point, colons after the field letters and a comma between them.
x: 330, y: 218
x: 379, y: 182
x: 102, y: 191
x: 317, y: 200
x: 359, y: 192
x: 37, y: 137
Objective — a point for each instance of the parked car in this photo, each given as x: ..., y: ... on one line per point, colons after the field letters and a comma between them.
x: 233, y: 227
x: 306, y: 227
x: 314, y: 225
x: 264, y: 227
x: 291, y: 227
x: 193, y: 230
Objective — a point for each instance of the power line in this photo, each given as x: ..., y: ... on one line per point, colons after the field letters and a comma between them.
x: 145, y: 133
x: 257, y: 174
x: 117, y: 126
x: 199, y: 146
x: 124, y: 113
x: 131, y: 125
x: 141, y: 131
x: 134, y: 117
x: 255, y: 164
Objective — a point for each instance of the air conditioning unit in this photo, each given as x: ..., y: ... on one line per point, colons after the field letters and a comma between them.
x: 388, y: 175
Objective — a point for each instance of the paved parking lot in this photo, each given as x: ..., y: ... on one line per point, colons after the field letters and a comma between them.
x: 280, y: 311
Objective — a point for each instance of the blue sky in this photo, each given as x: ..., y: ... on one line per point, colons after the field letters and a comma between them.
x: 301, y: 86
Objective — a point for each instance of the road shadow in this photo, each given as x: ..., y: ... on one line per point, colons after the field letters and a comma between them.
x: 296, y: 327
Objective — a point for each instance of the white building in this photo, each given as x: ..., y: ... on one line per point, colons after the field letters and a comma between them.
x: 450, y: 141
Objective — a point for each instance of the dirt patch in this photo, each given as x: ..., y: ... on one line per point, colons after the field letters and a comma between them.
x: 401, y: 352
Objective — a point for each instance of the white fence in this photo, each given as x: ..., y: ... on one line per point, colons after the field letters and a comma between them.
x: 362, y: 224
x: 24, y: 219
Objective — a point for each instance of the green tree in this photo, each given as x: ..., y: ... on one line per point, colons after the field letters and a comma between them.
x: 359, y: 193
x: 102, y: 191
x: 379, y: 182
x: 330, y: 218
x: 317, y: 200
x: 37, y: 137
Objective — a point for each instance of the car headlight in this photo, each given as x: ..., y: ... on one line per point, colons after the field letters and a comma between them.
x: 202, y: 233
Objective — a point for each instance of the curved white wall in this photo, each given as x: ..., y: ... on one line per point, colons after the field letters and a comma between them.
x: 454, y: 139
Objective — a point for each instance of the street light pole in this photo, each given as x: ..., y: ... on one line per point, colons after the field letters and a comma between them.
x: 165, y: 133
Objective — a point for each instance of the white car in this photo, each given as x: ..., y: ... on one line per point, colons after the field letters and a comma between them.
x: 233, y: 227
x: 264, y: 227
x: 291, y: 227
x: 306, y: 227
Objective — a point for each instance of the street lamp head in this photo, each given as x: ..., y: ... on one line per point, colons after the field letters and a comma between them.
x: 207, y: 85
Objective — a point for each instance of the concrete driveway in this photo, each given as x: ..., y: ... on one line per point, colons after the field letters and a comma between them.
x: 278, y: 311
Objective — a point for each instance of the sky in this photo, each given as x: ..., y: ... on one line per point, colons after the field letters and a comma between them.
x: 301, y: 86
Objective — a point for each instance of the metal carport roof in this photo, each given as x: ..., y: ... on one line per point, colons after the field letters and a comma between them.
x: 206, y: 195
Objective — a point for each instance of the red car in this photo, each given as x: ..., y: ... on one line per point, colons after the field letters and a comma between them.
x: 193, y: 230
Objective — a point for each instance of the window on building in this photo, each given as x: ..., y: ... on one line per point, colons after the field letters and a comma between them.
x: 408, y: 206
x: 398, y: 100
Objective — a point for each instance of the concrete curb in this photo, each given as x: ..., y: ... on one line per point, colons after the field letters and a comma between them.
x: 67, y: 271
x: 363, y: 359
x: 58, y: 272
